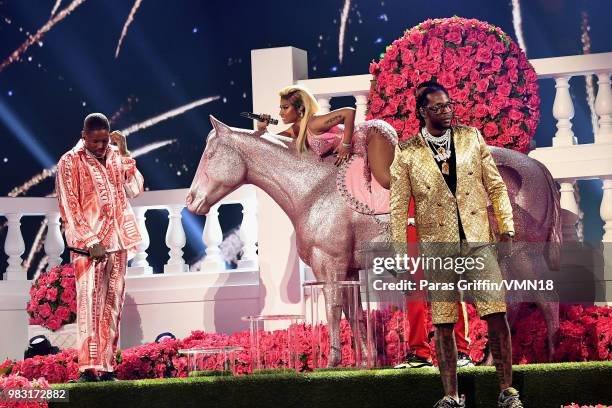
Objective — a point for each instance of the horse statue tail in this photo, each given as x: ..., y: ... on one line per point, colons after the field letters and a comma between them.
x: 552, y: 251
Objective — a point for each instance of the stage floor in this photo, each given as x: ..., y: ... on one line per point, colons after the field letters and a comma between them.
x: 541, y: 386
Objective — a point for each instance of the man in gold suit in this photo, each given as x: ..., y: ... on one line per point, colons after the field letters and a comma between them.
x: 450, y: 173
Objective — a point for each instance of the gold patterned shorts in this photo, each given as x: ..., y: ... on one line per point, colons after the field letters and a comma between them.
x: 481, y: 283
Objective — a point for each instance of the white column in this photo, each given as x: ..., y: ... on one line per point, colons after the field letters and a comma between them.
x: 14, y: 247
x: 212, y: 237
x: 361, y: 104
x: 603, y: 108
x: 248, y: 235
x: 140, y: 265
x: 54, y: 242
x: 175, y: 241
x: 277, y: 255
x: 563, y: 111
x: 323, y: 105
x: 605, y: 210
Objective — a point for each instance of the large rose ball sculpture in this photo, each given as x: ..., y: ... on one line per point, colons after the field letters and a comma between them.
x: 487, y: 75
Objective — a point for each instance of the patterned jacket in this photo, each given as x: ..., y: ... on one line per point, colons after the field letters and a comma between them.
x: 93, y: 198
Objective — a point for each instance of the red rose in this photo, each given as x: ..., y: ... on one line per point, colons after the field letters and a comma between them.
x: 498, y: 48
x: 424, y: 77
x: 490, y: 130
x: 433, y: 67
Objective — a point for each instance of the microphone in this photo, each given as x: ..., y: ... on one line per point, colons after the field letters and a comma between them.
x: 259, y: 118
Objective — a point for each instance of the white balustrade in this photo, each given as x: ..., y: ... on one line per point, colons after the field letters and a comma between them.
x: 14, y: 248
x: 603, y: 108
x: 140, y: 265
x: 175, y: 240
x: 248, y: 234
x: 54, y: 242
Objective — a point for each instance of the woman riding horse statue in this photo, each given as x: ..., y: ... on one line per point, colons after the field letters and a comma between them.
x: 331, y: 224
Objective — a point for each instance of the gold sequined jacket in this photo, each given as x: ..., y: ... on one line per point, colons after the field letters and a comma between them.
x: 414, y: 173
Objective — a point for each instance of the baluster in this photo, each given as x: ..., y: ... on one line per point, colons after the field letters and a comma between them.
x: 140, y: 265
x: 605, y: 210
x: 603, y: 108
x: 323, y: 105
x: 563, y: 111
x: 54, y: 243
x: 14, y: 247
x: 361, y: 104
x: 248, y: 234
x: 175, y: 241
x: 568, y: 202
x: 212, y: 237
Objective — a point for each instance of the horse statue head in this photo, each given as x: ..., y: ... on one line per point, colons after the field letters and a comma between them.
x: 223, y: 167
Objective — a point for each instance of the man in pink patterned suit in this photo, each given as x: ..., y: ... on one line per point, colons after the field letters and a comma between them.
x: 94, y: 182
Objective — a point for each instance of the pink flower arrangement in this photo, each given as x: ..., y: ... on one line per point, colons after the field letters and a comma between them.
x: 18, y: 382
x: 53, y: 298
x: 585, y: 334
x: 586, y: 406
x: 487, y: 75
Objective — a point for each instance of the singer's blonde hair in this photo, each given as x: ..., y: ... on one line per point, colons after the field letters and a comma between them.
x: 303, y: 101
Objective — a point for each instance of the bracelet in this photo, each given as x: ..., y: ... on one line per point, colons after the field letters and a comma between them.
x: 347, y: 145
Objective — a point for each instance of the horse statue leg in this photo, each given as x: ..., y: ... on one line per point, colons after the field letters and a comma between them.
x: 353, y: 310
x: 330, y: 269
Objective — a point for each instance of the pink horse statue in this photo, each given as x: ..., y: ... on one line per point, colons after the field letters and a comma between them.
x: 329, y: 233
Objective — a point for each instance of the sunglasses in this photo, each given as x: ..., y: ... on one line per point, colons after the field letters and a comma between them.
x: 442, y: 107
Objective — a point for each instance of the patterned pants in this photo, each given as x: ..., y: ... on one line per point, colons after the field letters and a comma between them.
x: 100, y: 293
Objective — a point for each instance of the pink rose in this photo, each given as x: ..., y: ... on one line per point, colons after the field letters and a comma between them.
x: 496, y: 63
x: 511, y: 63
x: 436, y: 45
x: 454, y: 36
x: 51, y: 294
x: 63, y: 313
x: 515, y: 115
x: 483, y: 55
x: 533, y: 102
x: 480, y: 111
x: 504, y: 89
x: 53, y: 323
x: 490, y: 130
x: 499, y: 48
x: 392, y: 52
x: 482, y: 85
x: 415, y: 37
x: 373, y: 67
x: 447, y: 79
x: 44, y: 310
x: 68, y: 295
x: 407, y: 57
x: 424, y: 77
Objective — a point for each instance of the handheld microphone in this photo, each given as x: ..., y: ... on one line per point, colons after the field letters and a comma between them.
x: 259, y: 118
